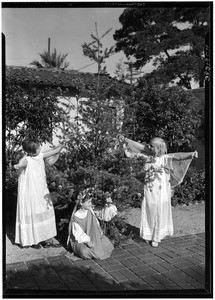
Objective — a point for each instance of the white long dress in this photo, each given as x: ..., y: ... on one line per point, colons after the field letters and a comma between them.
x: 162, y: 174
x: 156, y: 212
x: 35, y: 218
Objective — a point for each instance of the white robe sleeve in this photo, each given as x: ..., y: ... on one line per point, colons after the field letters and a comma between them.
x: 134, y: 149
x: 79, y: 234
x: 133, y: 155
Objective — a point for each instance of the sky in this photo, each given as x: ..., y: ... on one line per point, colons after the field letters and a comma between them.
x: 27, y: 31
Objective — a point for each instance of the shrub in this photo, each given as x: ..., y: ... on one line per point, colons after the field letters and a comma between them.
x: 66, y: 185
x: 166, y: 112
x: 34, y: 113
x: 192, y: 188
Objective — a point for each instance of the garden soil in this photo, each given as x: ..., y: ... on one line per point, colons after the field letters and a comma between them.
x: 186, y: 219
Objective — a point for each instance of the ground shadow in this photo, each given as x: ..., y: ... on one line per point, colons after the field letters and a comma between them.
x: 58, y: 277
x: 130, y: 229
x: 10, y: 231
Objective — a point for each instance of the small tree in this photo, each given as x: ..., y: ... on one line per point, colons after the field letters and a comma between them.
x: 98, y: 110
x: 94, y: 51
x: 90, y: 150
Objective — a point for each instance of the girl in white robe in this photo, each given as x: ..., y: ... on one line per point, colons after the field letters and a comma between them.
x: 35, y: 217
x: 162, y: 172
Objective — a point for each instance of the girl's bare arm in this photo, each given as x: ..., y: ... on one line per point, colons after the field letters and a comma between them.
x: 53, y: 151
x: 135, y: 155
x: 21, y: 164
x: 185, y: 155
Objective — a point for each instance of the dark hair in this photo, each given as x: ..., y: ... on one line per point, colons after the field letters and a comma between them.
x: 30, y: 145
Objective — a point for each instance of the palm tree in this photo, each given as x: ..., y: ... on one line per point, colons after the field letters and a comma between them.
x: 51, y: 60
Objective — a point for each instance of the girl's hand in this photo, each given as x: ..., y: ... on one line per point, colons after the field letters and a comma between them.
x: 89, y: 244
x: 121, y: 138
x: 195, y: 154
x: 16, y: 167
x: 64, y: 143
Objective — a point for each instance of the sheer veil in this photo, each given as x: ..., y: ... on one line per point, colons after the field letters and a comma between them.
x: 177, y: 165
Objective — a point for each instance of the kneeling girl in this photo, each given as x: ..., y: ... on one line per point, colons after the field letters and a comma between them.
x: 85, y: 235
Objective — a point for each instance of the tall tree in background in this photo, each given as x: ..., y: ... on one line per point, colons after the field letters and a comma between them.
x: 51, y: 60
x: 173, y: 37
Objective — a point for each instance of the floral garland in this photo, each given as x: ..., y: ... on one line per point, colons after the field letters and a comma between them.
x: 89, y: 193
x: 154, y: 173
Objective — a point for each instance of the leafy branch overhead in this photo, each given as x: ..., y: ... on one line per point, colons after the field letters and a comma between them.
x: 172, y: 38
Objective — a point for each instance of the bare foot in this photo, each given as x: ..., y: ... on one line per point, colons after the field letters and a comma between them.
x: 154, y: 244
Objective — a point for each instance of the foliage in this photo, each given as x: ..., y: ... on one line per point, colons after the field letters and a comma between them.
x: 115, y: 230
x: 173, y: 37
x: 34, y: 113
x: 113, y: 175
x: 71, y: 175
x: 51, y: 60
x: 192, y: 188
x: 126, y: 71
x: 164, y: 112
x: 121, y: 70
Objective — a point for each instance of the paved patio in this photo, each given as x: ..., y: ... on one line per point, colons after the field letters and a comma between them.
x: 177, y: 265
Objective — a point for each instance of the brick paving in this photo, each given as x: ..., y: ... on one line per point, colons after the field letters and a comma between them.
x: 178, y: 264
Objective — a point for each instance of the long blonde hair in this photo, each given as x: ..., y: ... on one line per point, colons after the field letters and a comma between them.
x: 160, y: 146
